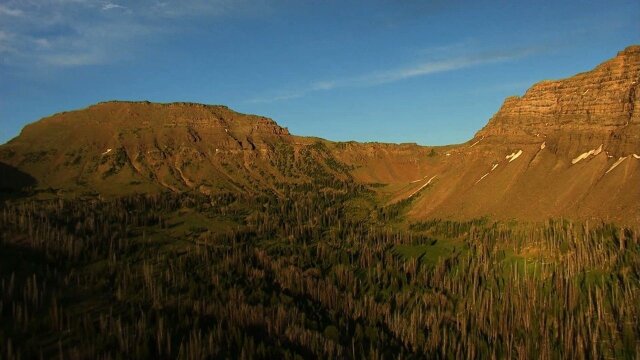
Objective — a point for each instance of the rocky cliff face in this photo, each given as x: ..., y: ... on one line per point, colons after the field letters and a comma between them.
x: 605, y: 97
x: 598, y: 107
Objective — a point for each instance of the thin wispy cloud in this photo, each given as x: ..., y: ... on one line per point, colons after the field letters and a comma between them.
x: 112, y: 6
x: 4, y: 10
x: 69, y: 33
x: 401, y: 73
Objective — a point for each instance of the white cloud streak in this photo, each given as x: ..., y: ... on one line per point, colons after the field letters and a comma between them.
x: 111, y: 6
x: 398, y: 74
x: 70, y: 33
x: 4, y: 10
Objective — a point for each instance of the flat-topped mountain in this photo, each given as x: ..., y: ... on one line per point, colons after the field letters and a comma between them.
x: 566, y: 148
x: 122, y: 147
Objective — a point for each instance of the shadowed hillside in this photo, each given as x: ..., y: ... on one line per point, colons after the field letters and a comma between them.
x: 13, y: 182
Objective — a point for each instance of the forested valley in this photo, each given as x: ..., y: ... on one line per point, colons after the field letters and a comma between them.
x: 309, y: 273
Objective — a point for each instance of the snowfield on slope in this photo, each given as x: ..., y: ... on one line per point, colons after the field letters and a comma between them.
x: 583, y: 156
x: 423, y: 186
x: 618, y: 162
x: 483, y: 176
x: 513, y: 156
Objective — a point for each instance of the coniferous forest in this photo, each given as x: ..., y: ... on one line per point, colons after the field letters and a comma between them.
x: 310, y: 273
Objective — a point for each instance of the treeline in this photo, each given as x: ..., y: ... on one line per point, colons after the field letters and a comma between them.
x: 297, y: 276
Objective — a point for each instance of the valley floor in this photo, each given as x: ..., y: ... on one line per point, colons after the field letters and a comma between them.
x: 319, y: 273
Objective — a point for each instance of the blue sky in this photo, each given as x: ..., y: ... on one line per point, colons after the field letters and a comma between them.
x: 431, y: 72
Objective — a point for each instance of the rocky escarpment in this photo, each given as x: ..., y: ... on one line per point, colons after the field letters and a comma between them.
x: 598, y: 107
x: 603, y: 97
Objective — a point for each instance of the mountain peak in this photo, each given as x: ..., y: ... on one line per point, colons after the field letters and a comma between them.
x: 632, y: 50
x: 603, y: 99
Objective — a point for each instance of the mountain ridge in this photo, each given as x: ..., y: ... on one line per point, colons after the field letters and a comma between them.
x: 583, y: 132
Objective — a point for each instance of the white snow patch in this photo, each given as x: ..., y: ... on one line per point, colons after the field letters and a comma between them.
x: 106, y: 152
x: 494, y: 167
x: 513, y: 156
x: 636, y: 156
x: 423, y: 186
x: 618, y: 162
x: 415, y: 181
x: 483, y: 176
x: 448, y: 154
x: 544, y: 145
x: 583, y: 156
x: 476, y: 143
x: 585, y: 93
x: 598, y: 150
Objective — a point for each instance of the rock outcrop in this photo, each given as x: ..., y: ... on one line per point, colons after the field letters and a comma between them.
x: 598, y: 107
x: 605, y: 97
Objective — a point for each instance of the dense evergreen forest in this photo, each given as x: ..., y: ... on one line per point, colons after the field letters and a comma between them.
x: 316, y: 271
